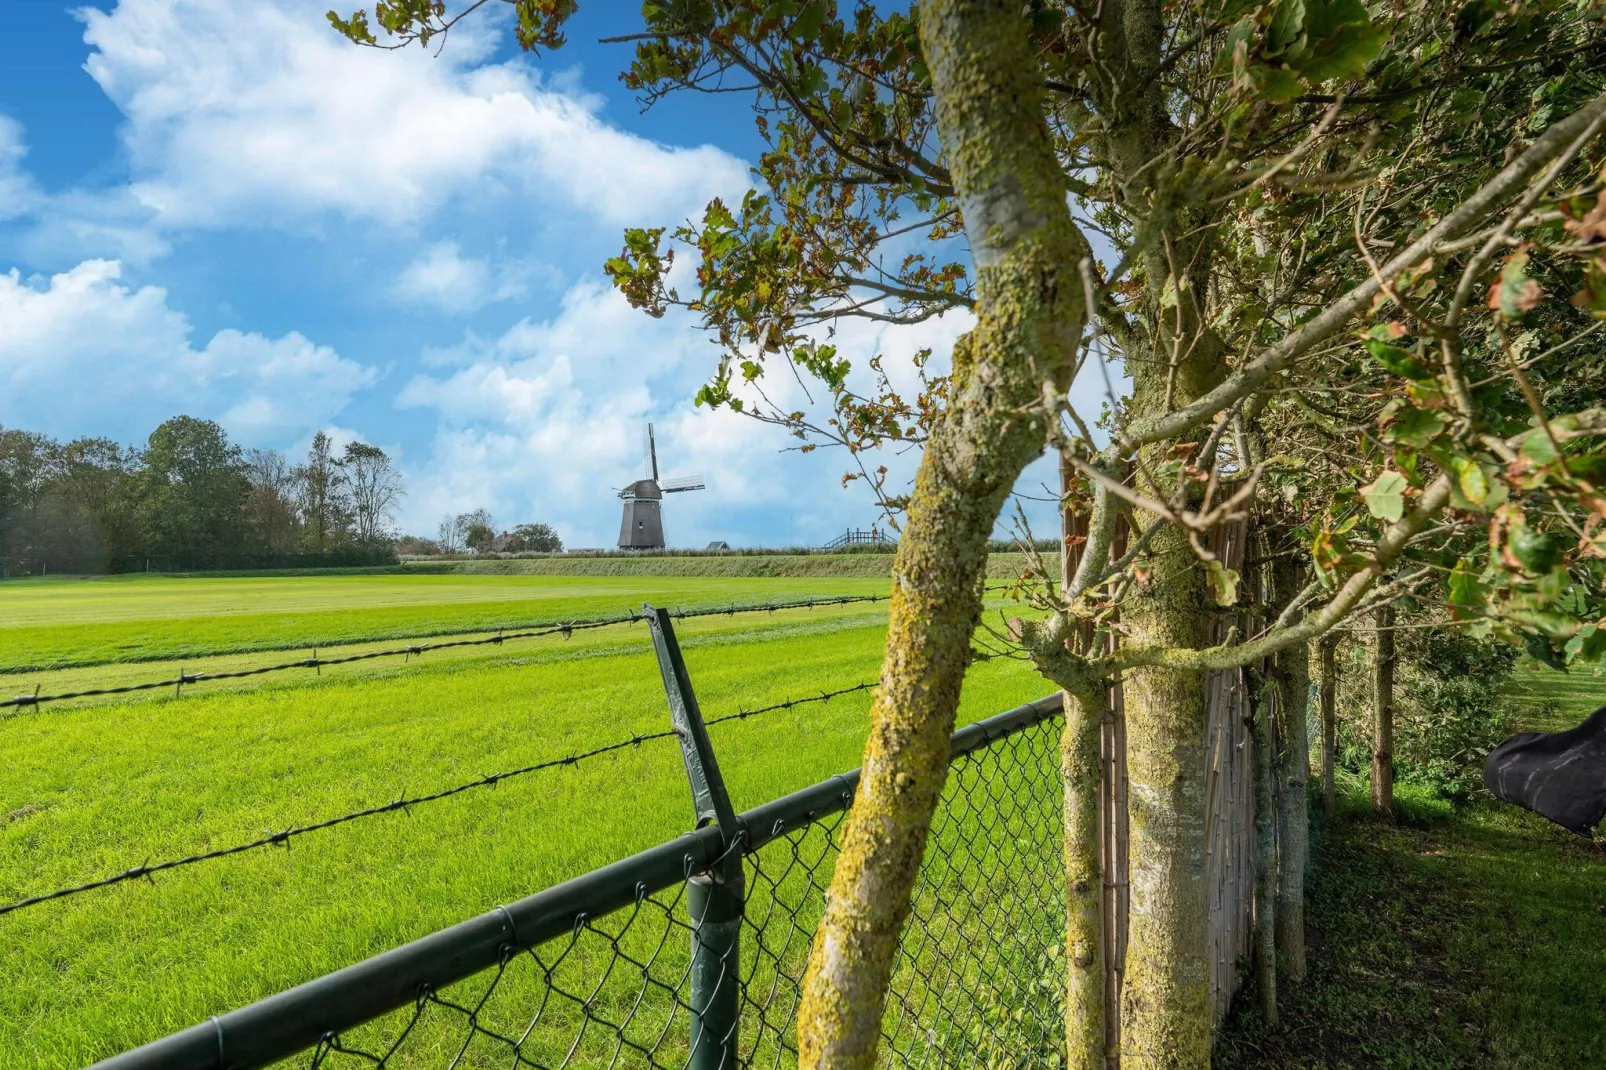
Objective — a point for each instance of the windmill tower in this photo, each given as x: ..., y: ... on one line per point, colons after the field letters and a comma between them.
x: 642, y: 527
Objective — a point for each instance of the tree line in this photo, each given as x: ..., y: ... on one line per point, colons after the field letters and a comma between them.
x: 474, y: 532
x: 189, y: 498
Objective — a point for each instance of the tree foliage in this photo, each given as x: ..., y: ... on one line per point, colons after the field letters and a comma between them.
x: 188, y: 498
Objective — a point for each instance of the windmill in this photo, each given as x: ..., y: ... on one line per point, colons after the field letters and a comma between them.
x: 642, y: 527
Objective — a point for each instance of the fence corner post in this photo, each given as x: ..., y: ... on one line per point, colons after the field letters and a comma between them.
x: 715, y: 896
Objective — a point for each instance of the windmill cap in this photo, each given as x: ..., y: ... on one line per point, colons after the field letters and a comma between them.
x: 642, y: 488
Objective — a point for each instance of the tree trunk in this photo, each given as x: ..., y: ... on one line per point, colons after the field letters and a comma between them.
x: 1329, y: 698
x: 1029, y: 320
x: 1081, y: 767
x: 1084, y: 901
x: 1166, y: 1014
x: 1291, y: 668
x: 1383, y: 716
x: 1265, y: 844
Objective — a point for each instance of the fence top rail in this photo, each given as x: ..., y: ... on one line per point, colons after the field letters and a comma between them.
x: 297, y: 1019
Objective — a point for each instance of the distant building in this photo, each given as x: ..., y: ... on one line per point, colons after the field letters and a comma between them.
x: 720, y: 545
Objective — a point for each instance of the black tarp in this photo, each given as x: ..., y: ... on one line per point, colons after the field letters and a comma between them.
x: 1559, y: 775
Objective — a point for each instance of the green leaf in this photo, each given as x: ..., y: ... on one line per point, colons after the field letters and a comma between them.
x: 1287, y: 25
x: 1169, y: 292
x: 1538, y: 552
x: 1537, y: 447
x: 1539, y: 648
x: 1345, y: 54
x: 1588, y: 646
x: 1224, y: 581
x: 1398, y: 361
x: 1275, y: 83
x: 1417, y: 427
x: 1385, y: 496
x: 1470, y: 480
x: 1467, y: 590
x: 1237, y: 39
x: 807, y: 25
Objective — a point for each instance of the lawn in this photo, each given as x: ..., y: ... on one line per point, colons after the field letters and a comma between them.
x: 93, y: 789
x: 54, y: 623
x: 1476, y: 939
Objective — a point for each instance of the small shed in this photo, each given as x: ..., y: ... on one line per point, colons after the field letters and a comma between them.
x: 720, y: 545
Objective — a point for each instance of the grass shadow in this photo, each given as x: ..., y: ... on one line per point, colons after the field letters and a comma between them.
x: 1475, y: 941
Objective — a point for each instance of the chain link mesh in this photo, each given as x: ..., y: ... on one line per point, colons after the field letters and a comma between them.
x: 978, y: 982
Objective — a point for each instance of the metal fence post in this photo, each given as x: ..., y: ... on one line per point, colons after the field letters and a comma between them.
x: 715, y: 896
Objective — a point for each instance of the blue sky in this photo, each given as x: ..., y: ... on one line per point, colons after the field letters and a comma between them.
x: 220, y: 208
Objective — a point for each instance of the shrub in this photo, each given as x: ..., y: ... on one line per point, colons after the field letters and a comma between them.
x: 1450, y: 712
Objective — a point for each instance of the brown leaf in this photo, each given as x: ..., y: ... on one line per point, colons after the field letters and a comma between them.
x: 1592, y: 227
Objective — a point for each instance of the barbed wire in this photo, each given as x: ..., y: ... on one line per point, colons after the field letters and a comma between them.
x: 148, y: 870
x: 414, y: 649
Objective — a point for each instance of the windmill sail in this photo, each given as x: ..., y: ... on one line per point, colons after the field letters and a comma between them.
x: 652, y: 454
x: 670, y: 486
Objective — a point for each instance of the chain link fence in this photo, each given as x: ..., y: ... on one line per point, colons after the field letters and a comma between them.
x: 632, y: 965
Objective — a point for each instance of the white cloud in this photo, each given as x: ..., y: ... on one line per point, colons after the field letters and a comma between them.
x: 236, y: 109
x: 18, y: 194
x: 444, y: 278
x: 544, y: 421
x: 82, y: 351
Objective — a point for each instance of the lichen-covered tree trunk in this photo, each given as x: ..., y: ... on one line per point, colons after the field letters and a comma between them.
x: 1265, y: 844
x: 1291, y: 670
x: 1329, y: 701
x: 1030, y: 315
x: 1383, y: 715
x: 1166, y: 1013
x: 1081, y: 769
x: 1084, y: 901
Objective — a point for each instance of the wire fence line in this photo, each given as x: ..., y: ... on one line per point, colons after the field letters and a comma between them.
x: 629, y: 966
x: 565, y: 629
x: 148, y: 869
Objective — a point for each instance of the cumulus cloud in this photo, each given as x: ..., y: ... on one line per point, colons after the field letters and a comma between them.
x: 234, y: 109
x: 444, y: 278
x: 83, y: 352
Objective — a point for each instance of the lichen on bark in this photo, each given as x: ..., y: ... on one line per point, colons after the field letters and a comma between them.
x: 1029, y: 319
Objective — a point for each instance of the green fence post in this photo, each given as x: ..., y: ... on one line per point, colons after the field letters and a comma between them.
x: 714, y: 897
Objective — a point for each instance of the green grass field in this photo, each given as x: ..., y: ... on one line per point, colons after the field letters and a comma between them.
x: 1469, y: 938
x: 95, y: 788
x: 56, y: 623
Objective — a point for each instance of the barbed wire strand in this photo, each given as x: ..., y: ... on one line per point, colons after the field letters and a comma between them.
x: 411, y: 650
x: 148, y: 870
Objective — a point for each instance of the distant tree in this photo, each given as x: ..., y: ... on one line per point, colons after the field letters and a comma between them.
x: 98, y: 493
x: 534, y: 538
x: 323, y: 505
x: 373, y: 488
x: 417, y: 544
x: 195, y: 488
x: 26, y: 468
x: 270, y: 507
x: 449, y: 539
x: 478, y: 537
